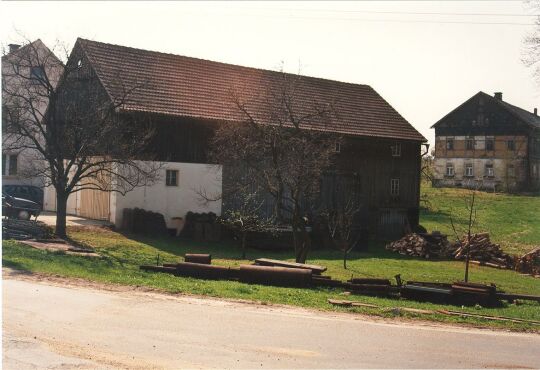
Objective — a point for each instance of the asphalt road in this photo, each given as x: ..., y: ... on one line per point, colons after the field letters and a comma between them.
x: 70, y: 327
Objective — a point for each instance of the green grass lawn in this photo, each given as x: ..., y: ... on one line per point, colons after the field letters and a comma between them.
x: 513, y: 221
x: 123, y: 254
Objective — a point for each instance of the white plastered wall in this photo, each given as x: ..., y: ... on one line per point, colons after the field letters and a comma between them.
x: 173, y: 201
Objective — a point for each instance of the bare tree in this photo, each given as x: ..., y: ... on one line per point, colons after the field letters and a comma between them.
x: 75, y: 132
x: 472, y: 210
x: 246, y: 218
x: 532, y: 42
x: 342, y: 227
x: 281, y: 149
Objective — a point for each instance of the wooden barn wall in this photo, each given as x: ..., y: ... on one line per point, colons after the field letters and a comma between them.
x: 363, y: 171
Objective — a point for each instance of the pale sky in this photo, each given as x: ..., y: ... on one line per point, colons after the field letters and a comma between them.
x: 424, y: 58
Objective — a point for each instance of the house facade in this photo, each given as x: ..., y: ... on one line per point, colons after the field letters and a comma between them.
x: 22, y: 69
x: 187, y: 99
x: 490, y: 144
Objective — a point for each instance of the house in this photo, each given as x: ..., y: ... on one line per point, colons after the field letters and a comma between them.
x: 187, y: 98
x: 22, y: 67
x: 488, y: 143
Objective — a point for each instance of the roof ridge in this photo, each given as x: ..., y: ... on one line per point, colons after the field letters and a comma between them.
x: 222, y: 63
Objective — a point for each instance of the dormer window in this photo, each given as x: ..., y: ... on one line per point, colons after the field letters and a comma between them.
x: 337, y: 147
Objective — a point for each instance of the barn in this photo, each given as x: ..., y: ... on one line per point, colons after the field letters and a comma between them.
x: 187, y: 98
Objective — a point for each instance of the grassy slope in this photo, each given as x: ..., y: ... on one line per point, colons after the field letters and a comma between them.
x: 123, y: 254
x: 512, y: 220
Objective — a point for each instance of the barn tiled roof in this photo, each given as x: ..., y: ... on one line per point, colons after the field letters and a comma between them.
x: 190, y: 87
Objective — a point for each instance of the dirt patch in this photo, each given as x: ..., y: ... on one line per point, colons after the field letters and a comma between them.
x: 60, y: 247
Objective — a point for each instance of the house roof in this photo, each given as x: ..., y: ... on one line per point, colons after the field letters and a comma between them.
x: 521, y: 114
x: 190, y: 87
x: 29, y: 47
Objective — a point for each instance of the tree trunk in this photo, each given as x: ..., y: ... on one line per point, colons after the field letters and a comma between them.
x: 61, y: 209
x: 345, y: 259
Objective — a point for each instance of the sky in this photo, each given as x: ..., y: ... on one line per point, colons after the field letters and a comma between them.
x: 425, y: 58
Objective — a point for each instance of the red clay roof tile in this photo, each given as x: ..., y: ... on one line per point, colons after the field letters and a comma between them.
x: 189, y: 87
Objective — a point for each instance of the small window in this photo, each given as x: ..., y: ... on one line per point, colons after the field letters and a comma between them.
x: 490, y: 144
x: 511, y: 171
x: 37, y: 73
x: 394, y: 187
x: 469, y: 171
x: 396, y: 150
x: 12, y: 170
x: 337, y: 147
x: 171, y: 178
x: 469, y: 144
x: 9, y: 164
x: 449, y: 169
x: 449, y: 144
x: 489, y: 170
x: 535, y: 171
x: 79, y: 63
x: 511, y: 145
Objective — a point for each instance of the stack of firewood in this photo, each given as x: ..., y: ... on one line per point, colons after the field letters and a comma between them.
x: 421, y: 245
x: 483, y: 252
x: 529, y: 263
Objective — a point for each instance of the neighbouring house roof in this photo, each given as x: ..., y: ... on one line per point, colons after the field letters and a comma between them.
x: 189, y: 87
x: 33, y: 46
x: 521, y: 114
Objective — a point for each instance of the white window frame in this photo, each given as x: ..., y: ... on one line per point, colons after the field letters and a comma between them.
x: 489, y: 170
x: 450, y: 166
x: 469, y: 170
x: 396, y: 150
x: 394, y: 187
x: 168, y: 177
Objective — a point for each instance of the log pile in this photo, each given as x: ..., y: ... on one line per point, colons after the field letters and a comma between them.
x: 421, y: 245
x: 529, y: 263
x: 483, y: 252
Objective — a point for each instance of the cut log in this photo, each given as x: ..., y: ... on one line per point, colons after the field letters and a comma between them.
x: 316, y: 269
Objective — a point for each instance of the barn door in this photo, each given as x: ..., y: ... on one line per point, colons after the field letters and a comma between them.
x: 392, y: 223
x: 95, y: 204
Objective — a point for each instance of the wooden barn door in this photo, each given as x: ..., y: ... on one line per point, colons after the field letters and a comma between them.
x: 391, y: 223
x: 95, y: 204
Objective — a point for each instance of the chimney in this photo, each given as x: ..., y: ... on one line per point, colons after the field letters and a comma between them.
x: 498, y: 96
x: 535, y: 111
x: 13, y: 47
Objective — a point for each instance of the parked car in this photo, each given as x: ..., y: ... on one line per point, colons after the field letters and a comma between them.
x: 22, y: 209
x: 29, y: 192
